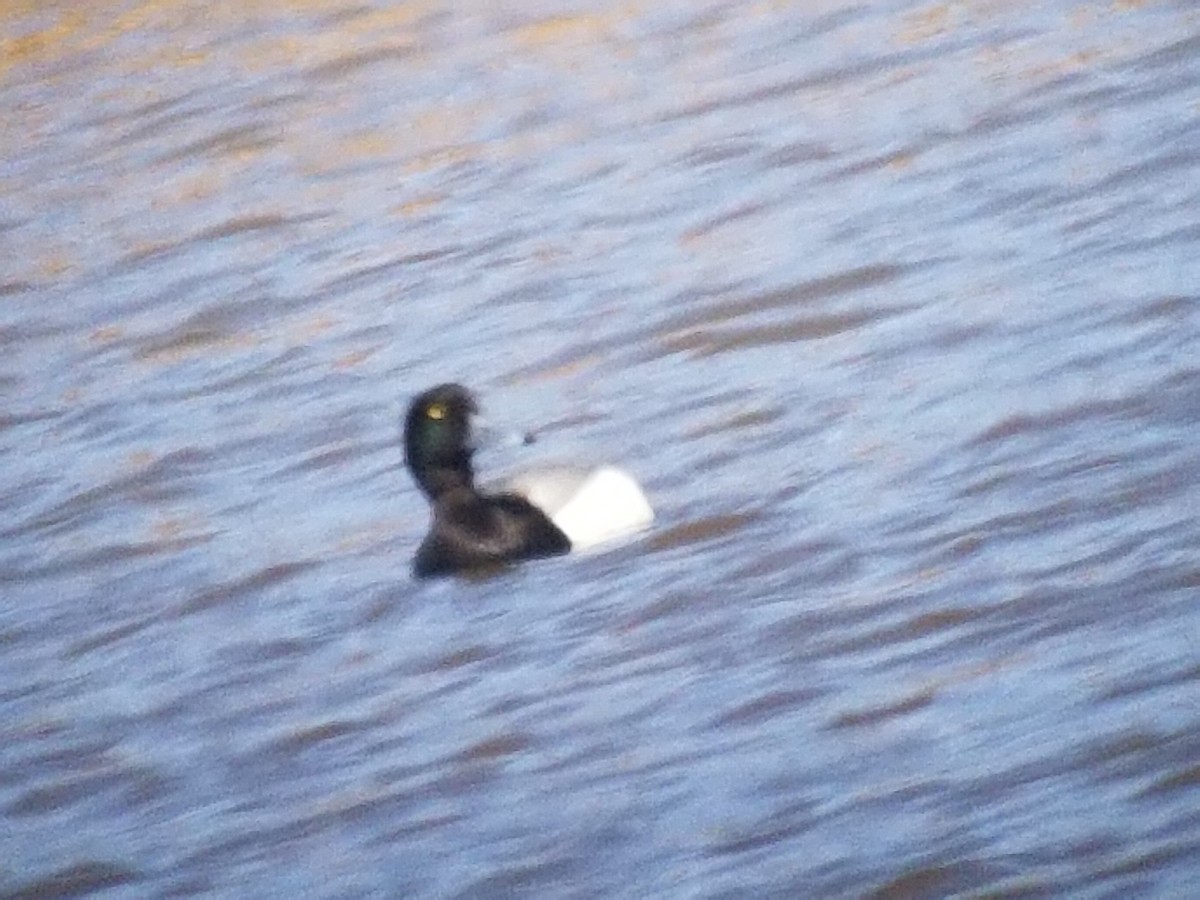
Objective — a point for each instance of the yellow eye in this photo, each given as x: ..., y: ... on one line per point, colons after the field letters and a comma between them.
x: 437, y: 411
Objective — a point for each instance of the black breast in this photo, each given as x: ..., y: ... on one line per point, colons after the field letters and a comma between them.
x: 471, y: 531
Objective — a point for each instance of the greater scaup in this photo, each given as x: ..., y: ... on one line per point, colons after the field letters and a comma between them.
x: 537, y: 514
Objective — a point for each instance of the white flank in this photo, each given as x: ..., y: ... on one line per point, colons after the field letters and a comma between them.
x: 590, y: 506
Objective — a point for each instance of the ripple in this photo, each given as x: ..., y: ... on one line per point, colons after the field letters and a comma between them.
x: 78, y: 880
x: 892, y: 310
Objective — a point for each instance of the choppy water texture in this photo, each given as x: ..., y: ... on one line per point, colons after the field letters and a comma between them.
x: 892, y: 306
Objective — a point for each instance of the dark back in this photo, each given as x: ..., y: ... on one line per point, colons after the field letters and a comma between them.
x: 471, y: 531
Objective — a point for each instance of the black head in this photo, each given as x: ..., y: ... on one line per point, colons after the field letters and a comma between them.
x: 438, y: 438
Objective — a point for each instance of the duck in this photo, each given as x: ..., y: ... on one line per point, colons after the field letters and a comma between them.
x: 535, y: 514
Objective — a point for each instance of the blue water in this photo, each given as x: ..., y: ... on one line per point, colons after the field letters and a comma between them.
x: 892, y: 308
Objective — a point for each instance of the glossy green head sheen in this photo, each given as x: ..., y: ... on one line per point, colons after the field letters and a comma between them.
x: 438, y: 437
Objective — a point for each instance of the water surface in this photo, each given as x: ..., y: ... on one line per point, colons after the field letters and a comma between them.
x: 891, y: 306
